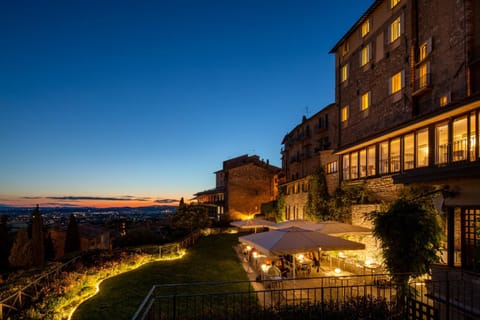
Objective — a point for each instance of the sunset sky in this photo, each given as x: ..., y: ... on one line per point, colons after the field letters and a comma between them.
x: 133, y: 103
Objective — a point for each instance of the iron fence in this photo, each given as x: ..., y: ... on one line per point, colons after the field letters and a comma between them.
x: 321, y: 297
x: 353, y: 297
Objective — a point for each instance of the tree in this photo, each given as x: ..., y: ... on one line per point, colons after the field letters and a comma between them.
x: 72, y: 238
x: 49, y: 248
x: 5, y: 243
x: 38, y: 245
x: 280, y: 213
x: 317, y: 198
x: 190, y: 218
x: 410, y: 234
x: 21, y: 253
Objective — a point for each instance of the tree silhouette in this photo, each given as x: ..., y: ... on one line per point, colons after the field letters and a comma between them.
x: 49, y: 248
x: 38, y: 246
x: 72, y: 238
x: 5, y: 243
x: 21, y: 253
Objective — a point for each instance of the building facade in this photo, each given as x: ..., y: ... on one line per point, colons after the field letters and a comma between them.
x: 307, y: 149
x: 408, y: 99
x: 242, y: 186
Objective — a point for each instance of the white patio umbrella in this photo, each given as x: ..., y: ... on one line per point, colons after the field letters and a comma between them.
x: 295, y: 240
x: 327, y: 227
x: 253, y: 224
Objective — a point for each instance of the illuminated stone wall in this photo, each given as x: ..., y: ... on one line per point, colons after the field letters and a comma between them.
x: 248, y: 186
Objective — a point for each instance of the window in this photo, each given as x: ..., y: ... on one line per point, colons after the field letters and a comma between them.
x: 344, y: 73
x: 332, y: 167
x: 365, y: 55
x: 422, y: 75
x: 365, y: 102
x: 441, y: 143
x: 460, y: 139
x: 365, y: 28
x: 363, y: 163
x: 346, y: 167
x: 408, y: 151
x: 383, y: 157
x: 354, y: 165
x: 371, y: 167
x: 422, y: 148
x: 473, y: 137
x: 395, y: 155
x: 470, y: 224
x: 393, y: 3
x: 344, y: 113
x: 395, y: 29
x: 444, y: 100
x: 424, y: 50
x: 397, y: 82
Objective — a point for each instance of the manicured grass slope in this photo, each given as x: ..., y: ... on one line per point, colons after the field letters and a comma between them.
x: 211, y: 259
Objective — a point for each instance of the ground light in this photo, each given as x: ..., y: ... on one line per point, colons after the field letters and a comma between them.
x: 181, y: 254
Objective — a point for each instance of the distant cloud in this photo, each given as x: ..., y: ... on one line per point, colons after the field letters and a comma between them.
x: 80, y: 198
x: 166, y: 201
x: 61, y: 204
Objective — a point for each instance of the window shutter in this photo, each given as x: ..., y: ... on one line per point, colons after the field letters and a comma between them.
x: 402, y: 23
x: 370, y: 50
x: 369, y: 99
x: 429, y: 45
x: 390, y: 86
x: 403, y: 78
x: 389, y: 33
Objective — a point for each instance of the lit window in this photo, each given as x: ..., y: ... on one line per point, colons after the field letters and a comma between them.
x: 443, y: 101
x: 473, y: 137
x: 371, y: 167
x: 408, y: 152
x: 396, y: 83
x: 423, y: 75
x: 365, y: 28
x: 460, y: 139
x: 332, y: 167
x: 363, y: 163
x: 395, y: 155
x: 346, y: 167
x: 344, y: 73
x: 422, y: 148
x: 365, y: 103
x: 395, y: 29
x: 383, y: 157
x: 354, y: 165
x: 344, y: 113
x: 441, y: 143
x: 422, y: 52
x: 393, y: 3
x: 365, y: 55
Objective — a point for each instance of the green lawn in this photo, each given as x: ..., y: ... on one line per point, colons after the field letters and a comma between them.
x: 211, y: 259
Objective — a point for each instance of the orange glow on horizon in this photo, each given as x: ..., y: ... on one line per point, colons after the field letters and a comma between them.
x: 94, y: 202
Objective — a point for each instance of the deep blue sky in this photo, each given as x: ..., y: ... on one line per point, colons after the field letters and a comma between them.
x: 147, y: 98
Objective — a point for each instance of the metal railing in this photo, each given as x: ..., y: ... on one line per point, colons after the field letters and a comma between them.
x: 272, y: 298
x: 322, y: 296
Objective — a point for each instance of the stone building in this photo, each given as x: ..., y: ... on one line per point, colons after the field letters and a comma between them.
x: 306, y: 149
x: 408, y: 99
x: 242, y: 186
